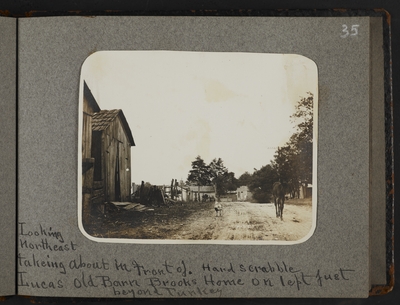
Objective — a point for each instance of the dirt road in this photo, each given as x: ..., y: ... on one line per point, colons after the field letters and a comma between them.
x: 239, y: 221
x: 249, y: 221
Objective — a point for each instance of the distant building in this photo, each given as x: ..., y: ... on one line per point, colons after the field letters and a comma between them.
x: 198, y: 192
x: 243, y: 194
x: 305, y: 192
x: 229, y: 197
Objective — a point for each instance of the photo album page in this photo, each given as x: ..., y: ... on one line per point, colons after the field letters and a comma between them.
x: 200, y: 157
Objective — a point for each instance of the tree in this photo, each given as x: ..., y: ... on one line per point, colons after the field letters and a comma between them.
x: 285, y: 163
x: 261, y: 183
x: 217, y: 168
x: 200, y: 173
x: 302, y: 140
x: 245, y: 179
x: 215, y: 174
x: 304, y: 157
x: 223, y: 180
x: 293, y: 161
x: 303, y: 118
x: 232, y: 182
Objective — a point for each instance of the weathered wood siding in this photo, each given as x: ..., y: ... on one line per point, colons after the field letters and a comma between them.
x: 97, y: 155
x: 89, y: 108
x: 87, y: 129
x: 115, y: 141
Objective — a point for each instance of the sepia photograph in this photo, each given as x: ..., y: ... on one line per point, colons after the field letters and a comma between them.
x: 198, y: 147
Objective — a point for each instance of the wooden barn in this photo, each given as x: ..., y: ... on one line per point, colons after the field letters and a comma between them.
x: 90, y: 106
x: 106, y: 156
x: 111, y: 148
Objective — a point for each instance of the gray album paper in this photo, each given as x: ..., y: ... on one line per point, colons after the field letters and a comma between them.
x: 8, y: 154
x: 58, y: 256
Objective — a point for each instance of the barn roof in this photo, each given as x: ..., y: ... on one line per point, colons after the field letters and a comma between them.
x: 102, y: 119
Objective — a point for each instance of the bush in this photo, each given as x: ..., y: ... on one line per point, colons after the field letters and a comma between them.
x: 261, y: 196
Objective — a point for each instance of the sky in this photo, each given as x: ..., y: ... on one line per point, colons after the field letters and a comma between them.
x: 180, y: 105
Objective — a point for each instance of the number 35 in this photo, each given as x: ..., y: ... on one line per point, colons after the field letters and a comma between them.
x: 353, y: 31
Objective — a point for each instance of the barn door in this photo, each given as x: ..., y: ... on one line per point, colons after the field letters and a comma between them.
x: 117, y: 177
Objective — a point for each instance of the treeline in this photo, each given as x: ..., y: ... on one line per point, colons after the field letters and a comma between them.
x: 292, y: 163
x: 214, y: 173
